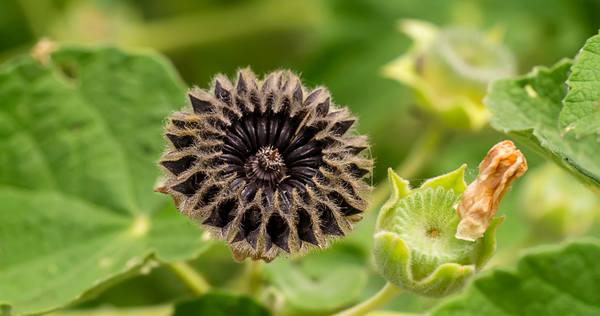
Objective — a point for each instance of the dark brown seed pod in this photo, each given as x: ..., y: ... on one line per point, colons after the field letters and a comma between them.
x: 265, y: 166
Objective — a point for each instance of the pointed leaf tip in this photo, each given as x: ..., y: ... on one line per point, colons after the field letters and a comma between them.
x: 399, y: 187
x: 454, y: 180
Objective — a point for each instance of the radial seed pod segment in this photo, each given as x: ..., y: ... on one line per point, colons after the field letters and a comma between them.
x: 266, y: 166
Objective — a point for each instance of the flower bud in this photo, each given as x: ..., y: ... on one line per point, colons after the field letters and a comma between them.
x: 449, y: 70
x: 414, y: 243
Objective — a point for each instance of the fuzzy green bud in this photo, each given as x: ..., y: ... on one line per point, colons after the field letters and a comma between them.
x: 415, y: 246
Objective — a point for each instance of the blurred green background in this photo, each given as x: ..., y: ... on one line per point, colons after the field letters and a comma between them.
x: 342, y: 44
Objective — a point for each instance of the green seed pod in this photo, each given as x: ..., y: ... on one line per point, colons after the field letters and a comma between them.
x: 557, y: 204
x: 449, y: 70
x: 415, y: 246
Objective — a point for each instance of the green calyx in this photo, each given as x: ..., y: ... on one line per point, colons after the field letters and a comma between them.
x: 449, y: 70
x: 414, y: 244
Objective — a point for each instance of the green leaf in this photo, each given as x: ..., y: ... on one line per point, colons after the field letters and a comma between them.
x: 78, y: 143
x: 527, y: 109
x: 341, y: 286
x: 547, y: 280
x: 220, y: 304
x: 581, y: 113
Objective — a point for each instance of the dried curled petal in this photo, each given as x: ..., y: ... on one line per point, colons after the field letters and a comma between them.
x: 266, y: 166
x: 480, y: 201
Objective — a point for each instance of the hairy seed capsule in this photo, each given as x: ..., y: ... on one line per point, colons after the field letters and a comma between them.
x: 266, y: 167
x: 414, y: 245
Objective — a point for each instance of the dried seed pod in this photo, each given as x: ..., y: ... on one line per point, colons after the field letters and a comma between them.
x: 480, y: 202
x: 265, y: 166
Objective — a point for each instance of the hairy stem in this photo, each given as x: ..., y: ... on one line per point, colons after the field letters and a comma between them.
x: 194, y: 281
x: 388, y: 292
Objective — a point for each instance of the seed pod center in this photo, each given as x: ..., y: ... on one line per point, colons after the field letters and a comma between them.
x: 266, y: 166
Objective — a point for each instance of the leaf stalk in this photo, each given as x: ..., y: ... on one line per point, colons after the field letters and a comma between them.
x: 387, y: 293
x: 192, y: 279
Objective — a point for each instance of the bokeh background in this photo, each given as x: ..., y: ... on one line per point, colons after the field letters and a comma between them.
x: 342, y: 44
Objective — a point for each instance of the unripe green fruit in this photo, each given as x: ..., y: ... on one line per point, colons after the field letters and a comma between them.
x: 449, y: 70
x: 464, y: 61
x: 414, y: 244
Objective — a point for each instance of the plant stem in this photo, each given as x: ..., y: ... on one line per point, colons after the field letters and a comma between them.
x: 388, y: 292
x: 249, y: 282
x: 194, y: 281
x: 254, y: 275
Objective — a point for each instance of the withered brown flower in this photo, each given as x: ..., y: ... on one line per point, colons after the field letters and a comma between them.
x: 480, y: 201
x: 264, y: 167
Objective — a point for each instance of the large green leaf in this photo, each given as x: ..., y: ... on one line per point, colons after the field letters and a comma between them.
x: 220, y: 304
x: 581, y: 113
x: 527, y: 109
x: 79, y: 138
x: 548, y: 280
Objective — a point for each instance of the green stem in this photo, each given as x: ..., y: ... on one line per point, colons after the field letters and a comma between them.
x: 194, y: 281
x: 388, y: 292
x: 255, y: 276
x: 250, y: 280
